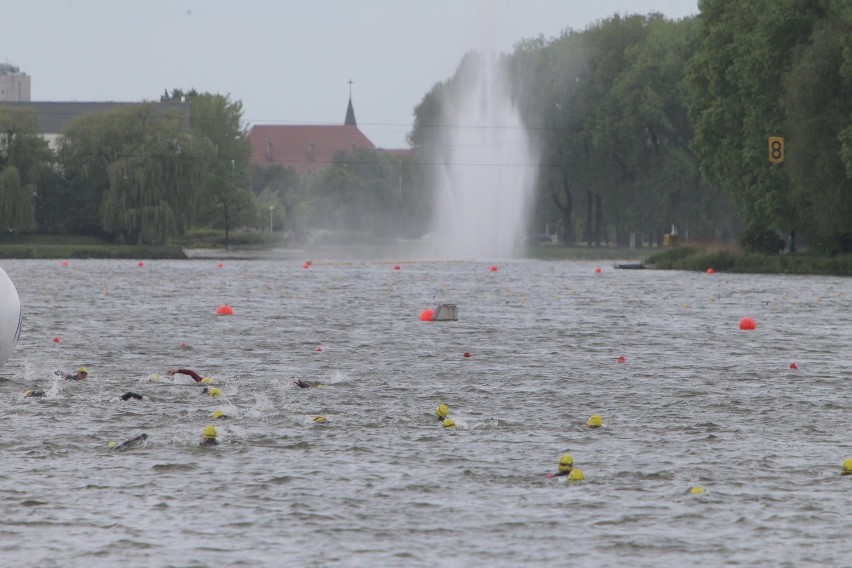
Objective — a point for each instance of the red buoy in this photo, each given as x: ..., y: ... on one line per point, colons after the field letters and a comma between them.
x: 793, y: 365
x: 224, y: 310
x: 466, y: 354
x: 747, y: 324
x: 709, y: 271
x: 306, y: 265
x: 493, y: 268
x: 621, y: 359
x: 598, y: 269
x: 64, y: 263
x: 396, y: 267
x: 55, y: 339
x: 426, y: 315
x: 181, y: 344
x: 220, y: 265
x: 140, y: 263
x: 318, y: 349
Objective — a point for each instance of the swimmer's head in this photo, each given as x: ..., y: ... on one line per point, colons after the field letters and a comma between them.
x: 566, y: 463
x: 320, y: 419
x: 207, y: 380
x: 697, y: 490
x: 214, y: 392
x: 576, y: 475
x: 448, y: 423
x: 82, y: 371
x: 209, y: 432
x: 442, y: 410
x: 217, y: 414
x: 846, y: 468
x: 112, y: 444
x: 594, y: 421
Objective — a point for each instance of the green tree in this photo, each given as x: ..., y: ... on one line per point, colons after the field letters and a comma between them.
x: 737, y: 92
x: 17, y: 212
x: 228, y: 201
x: 26, y: 162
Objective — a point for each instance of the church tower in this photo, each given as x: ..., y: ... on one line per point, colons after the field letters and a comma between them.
x: 350, y: 112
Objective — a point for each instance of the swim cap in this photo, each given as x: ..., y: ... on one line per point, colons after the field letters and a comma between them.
x: 696, y: 490
x: 83, y: 370
x: 594, y: 421
x: 217, y: 414
x: 846, y: 468
x: 442, y: 410
x: 209, y: 431
x: 576, y: 475
x: 448, y: 423
x: 112, y: 444
x: 320, y: 419
x: 206, y: 380
x: 566, y: 462
x: 215, y: 392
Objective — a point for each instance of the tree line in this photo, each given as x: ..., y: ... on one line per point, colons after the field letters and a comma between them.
x: 641, y: 123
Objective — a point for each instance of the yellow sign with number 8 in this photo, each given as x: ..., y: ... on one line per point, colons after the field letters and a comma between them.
x: 776, y: 149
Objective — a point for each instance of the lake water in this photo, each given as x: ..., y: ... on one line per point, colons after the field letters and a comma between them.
x: 696, y: 401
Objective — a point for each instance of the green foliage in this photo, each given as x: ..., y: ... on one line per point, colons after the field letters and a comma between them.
x: 760, y: 240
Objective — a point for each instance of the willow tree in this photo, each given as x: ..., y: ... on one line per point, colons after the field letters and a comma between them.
x: 144, y: 169
x: 25, y: 161
x: 17, y: 212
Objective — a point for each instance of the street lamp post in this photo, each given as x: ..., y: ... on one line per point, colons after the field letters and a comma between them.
x: 271, y: 207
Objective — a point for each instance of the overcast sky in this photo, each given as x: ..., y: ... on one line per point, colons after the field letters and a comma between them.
x: 288, y: 61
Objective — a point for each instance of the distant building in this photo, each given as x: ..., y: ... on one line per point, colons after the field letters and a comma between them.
x: 14, y: 85
x: 54, y: 116
x: 306, y: 147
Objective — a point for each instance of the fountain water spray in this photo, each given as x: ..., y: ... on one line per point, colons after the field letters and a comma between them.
x: 488, y: 167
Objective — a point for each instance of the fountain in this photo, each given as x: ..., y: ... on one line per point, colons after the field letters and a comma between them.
x: 487, y: 166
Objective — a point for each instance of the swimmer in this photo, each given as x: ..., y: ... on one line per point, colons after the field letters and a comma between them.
x: 303, y: 385
x: 566, y: 465
x: 132, y: 442
x: 34, y: 393
x: 128, y: 395
x: 195, y: 376
x: 442, y: 411
x: 219, y: 415
x: 81, y: 374
x: 208, y: 437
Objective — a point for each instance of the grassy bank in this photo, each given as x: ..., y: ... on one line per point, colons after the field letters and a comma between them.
x: 73, y: 246
x: 733, y: 260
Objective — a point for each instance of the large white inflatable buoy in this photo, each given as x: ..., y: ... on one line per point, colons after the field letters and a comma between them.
x: 10, y: 317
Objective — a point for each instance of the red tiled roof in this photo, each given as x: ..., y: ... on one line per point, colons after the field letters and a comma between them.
x: 306, y: 148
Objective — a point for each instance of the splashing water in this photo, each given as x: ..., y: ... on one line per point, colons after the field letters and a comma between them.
x: 488, y: 165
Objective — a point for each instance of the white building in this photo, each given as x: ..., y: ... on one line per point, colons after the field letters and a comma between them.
x: 14, y: 85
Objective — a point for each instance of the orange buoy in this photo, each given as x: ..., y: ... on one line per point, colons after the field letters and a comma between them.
x: 598, y: 269
x: 224, y: 310
x: 55, y: 339
x: 493, y: 268
x: 396, y: 267
x: 466, y: 354
x: 793, y: 365
x: 621, y: 359
x: 747, y: 324
x: 709, y: 271
x: 426, y: 315
x: 140, y: 263
x: 64, y: 263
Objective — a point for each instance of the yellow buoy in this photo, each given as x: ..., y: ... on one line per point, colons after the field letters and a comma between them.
x: 594, y: 421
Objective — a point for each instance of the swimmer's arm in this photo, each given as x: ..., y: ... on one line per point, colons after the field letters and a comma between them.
x: 195, y: 376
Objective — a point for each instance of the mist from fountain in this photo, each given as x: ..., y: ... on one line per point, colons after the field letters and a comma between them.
x: 487, y: 165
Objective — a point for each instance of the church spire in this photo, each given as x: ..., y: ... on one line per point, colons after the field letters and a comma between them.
x: 350, y: 112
